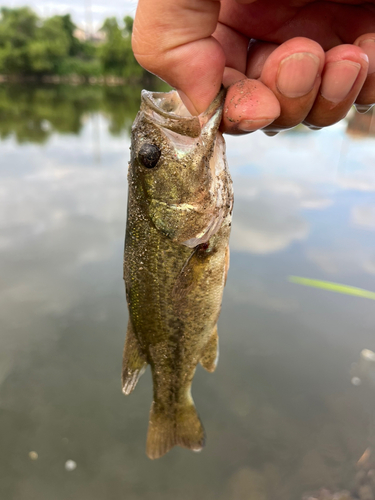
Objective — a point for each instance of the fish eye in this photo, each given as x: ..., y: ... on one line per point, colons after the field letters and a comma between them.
x: 149, y: 155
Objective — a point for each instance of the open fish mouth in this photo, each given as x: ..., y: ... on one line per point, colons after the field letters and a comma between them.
x: 167, y: 110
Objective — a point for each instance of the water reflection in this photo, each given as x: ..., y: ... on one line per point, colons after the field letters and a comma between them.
x: 33, y: 114
x: 282, y: 414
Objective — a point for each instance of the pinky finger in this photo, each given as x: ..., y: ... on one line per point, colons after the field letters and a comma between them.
x: 366, y: 97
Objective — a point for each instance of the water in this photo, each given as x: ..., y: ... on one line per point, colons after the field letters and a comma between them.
x: 281, y: 412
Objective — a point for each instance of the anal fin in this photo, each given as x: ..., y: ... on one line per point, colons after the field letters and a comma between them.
x: 210, y: 353
x: 134, y: 361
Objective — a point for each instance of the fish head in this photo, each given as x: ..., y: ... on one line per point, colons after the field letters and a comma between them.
x: 178, y: 168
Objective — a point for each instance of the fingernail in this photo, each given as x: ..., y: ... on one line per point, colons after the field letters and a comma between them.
x: 270, y: 133
x: 252, y: 125
x: 297, y: 74
x: 363, y: 108
x: 338, y: 80
x: 368, y: 46
x: 313, y: 127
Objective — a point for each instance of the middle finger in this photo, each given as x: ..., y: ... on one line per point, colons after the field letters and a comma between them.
x: 293, y: 73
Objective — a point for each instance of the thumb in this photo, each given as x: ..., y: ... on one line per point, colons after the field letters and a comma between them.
x: 173, y: 39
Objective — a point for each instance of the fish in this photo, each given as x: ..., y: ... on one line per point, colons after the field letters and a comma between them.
x: 176, y: 259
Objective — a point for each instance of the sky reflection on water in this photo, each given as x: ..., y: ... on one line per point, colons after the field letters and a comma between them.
x: 281, y: 414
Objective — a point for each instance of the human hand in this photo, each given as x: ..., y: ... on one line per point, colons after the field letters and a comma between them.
x: 308, y: 65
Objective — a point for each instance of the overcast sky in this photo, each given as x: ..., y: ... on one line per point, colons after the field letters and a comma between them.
x: 82, y: 11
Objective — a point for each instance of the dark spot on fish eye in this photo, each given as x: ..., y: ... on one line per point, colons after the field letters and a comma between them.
x: 149, y: 155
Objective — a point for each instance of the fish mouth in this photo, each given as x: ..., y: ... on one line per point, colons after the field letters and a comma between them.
x: 168, y: 111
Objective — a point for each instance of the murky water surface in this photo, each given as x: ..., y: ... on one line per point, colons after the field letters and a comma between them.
x: 285, y: 412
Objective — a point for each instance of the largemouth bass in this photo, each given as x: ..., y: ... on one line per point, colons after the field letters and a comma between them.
x: 176, y: 259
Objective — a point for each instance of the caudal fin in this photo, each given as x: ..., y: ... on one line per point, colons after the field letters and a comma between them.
x: 189, y: 429
x: 181, y: 426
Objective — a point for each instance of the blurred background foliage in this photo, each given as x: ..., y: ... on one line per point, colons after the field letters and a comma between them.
x: 35, y: 47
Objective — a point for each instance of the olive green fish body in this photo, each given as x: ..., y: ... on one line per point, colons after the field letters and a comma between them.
x: 175, y: 263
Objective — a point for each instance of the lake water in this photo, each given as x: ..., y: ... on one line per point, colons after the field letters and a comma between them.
x: 284, y: 412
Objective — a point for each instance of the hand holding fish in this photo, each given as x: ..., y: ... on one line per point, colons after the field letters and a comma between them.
x: 287, y: 61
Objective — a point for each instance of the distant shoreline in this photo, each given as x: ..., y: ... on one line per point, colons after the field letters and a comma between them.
x: 69, y: 79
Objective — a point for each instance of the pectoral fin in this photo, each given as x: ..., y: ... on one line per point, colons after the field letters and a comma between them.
x: 185, y: 280
x: 210, y: 355
x: 134, y: 361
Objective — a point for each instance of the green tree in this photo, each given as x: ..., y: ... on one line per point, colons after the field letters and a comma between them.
x: 116, y: 53
x: 32, y: 46
x: 49, y: 47
x: 128, y: 29
x: 29, y: 46
x: 17, y: 28
x: 75, y: 45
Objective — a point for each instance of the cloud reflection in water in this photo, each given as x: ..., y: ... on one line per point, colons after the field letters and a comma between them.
x: 282, y: 416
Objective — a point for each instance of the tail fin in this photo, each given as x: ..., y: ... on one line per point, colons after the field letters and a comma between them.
x: 189, y: 430
x: 181, y: 426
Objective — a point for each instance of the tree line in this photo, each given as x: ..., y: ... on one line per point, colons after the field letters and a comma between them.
x: 35, y: 47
